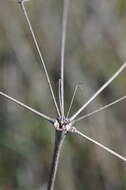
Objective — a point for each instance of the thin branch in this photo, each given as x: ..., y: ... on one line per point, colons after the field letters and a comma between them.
x: 99, y: 91
x: 40, y: 54
x: 101, y: 145
x: 72, y: 99
x: 28, y: 108
x: 59, y: 89
x: 59, y: 139
x: 64, y: 25
x: 100, y: 109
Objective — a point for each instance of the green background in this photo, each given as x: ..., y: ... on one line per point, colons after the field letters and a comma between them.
x: 95, y: 49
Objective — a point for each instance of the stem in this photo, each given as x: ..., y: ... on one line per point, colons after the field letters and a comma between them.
x: 40, y: 54
x: 64, y: 25
x: 99, y: 91
x: 59, y: 89
x: 28, y: 108
x: 100, y: 145
x: 98, y: 110
x: 59, y: 139
x: 72, y: 99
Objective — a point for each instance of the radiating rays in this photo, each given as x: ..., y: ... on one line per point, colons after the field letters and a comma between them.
x: 28, y: 108
x: 98, y: 110
x: 40, y: 54
x: 99, y: 91
x: 63, y: 124
x: 100, y: 145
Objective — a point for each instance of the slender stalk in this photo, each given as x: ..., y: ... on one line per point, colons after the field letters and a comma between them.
x: 64, y: 25
x: 28, y: 108
x: 59, y: 139
x: 72, y: 99
x: 98, y: 110
x: 59, y: 89
x: 101, y: 145
x: 40, y: 54
x: 99, y: 91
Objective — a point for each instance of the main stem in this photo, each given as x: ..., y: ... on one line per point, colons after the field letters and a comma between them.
x: 59, y: 139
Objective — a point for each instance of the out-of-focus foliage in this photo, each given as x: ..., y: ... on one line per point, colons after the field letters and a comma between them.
x: 121, y: 6
x: 95, y: 48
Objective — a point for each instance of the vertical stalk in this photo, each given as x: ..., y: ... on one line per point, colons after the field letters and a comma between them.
x: 59, y: 139
x: 63, y: 41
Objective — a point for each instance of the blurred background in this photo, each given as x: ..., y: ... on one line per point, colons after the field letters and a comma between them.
x: 95, y: 49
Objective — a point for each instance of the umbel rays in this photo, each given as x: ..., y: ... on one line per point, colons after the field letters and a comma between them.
x: 64, y: 124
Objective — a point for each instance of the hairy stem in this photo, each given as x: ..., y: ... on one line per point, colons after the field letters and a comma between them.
x: 59, y: 139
